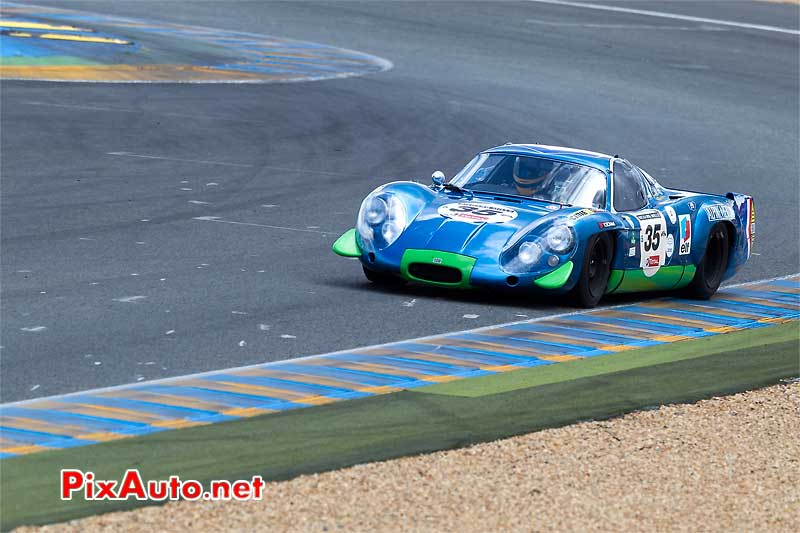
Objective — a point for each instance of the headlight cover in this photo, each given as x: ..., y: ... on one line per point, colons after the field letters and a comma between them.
x: 538, y: 249
x: 560, y: 239
x: 381, y: 220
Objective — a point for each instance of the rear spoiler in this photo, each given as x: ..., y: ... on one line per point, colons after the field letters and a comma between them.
x: 746, y: 210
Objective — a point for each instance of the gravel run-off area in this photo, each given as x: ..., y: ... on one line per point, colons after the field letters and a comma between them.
x: 723, y: 464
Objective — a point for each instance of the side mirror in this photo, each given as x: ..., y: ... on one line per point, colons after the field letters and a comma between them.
x: 438, y: 178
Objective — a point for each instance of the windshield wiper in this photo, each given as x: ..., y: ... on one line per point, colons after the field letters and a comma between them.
x: 509, y: 195
x: 456, y: 188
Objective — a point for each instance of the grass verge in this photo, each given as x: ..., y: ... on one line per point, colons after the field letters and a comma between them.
x: 315, y: 439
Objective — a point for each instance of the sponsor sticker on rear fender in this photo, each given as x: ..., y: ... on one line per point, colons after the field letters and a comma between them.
x: 478, y: 213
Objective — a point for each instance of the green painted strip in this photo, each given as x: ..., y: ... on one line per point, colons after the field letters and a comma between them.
x: 596, y: 366
x: 45, y: 61
x: 614, y: 280
x: 346, y: 245
x: 636, y: 281
x: 460, y: 262
x: 332, y: 436
x: 557, y: 278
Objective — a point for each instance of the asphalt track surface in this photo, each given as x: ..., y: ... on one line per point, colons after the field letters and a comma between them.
x: 701, y: 106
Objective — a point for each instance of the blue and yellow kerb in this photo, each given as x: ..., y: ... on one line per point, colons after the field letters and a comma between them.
x: 103, y: 415
x: 46, y: 43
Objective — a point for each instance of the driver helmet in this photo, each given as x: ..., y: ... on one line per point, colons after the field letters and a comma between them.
x: 530, y: 174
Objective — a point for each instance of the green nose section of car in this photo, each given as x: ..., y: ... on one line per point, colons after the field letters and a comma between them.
x: 557, y: 278
x: 462, y: 263
x: 346, y: 245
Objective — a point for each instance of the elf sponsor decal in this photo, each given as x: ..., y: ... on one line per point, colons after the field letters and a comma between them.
x: 653, y: 241
x: 671, y: 214
x: 720, y: 212
x: 478, y: 213
x: 685, y: 242
x: 606, y: 224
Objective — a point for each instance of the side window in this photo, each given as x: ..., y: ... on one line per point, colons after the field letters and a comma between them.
x: 629, y: 190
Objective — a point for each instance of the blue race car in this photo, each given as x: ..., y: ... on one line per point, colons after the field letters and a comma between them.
x: 533, y: 217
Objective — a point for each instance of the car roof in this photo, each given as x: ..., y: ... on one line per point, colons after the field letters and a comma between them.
x: 571, y: 155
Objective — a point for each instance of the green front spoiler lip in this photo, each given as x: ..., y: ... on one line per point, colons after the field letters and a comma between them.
x: 460, y: 262
x: 557, y: 278
x: 346, y: 245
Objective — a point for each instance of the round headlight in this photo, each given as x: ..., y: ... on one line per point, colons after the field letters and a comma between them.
x: 529, y: 253
x: 391, y: 231
x: 559, y: 239
x: 376, y: 210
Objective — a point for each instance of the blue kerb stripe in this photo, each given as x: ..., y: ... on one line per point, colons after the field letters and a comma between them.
x: 109, y: 425
x: 49, y: 440
x: 771, y: 296
x: 390, y: 378
x: 550, y: 348
x: 288, y: 386
x: 693, y: 315
x: 577, y: 332
x: 496, y: 359
x: 727, y: 305
x: 267, y: 402
x: 511, y: 342
x: 477, y: 354
x: 562, y: 345
x: 411, y: 365
x: 654, y: 326
x: 232, y: 401
x: 775, y: 311
x: 160, y: 409
x: 359, y: 379
x: 313, y: 388
x: 792, y: 284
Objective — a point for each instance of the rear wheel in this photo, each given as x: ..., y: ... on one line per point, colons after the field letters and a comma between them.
x: 380, y: 278
x: 712, y: 267
x: 595, y: 272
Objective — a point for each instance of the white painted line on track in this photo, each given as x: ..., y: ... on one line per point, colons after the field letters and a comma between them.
x: 348, y: 350
x: 200, y: 161
x: 674, y: 16
x: 287, y: 228
x: 649, y: 27
x: 205, y: 162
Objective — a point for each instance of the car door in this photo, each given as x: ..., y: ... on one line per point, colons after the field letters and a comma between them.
x: 650, y: 233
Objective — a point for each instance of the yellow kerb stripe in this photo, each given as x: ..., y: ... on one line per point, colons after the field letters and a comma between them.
x: 39, y: 26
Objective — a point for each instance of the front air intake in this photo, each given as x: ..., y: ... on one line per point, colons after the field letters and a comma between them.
x: 434, y: 273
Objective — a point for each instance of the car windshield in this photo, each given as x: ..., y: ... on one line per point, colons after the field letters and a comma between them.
x: 534, y: 177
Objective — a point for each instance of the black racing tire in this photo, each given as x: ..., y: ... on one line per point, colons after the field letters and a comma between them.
x: 595, y: 272
x: 708, y: 275
x: 381, y: 278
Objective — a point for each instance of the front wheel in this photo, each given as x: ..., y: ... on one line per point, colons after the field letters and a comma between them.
x: 380, y: 278
x: 595, y: 272
x: 712, y: 267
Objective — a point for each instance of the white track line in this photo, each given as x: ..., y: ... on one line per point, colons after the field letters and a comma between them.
x: 201, y: 161
x: 674, y: 16
x: 374, y: 346
x: 217, y: 219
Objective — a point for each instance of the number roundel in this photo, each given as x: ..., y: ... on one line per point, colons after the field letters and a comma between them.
x: 653, y: 241
x: 477, y: 212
